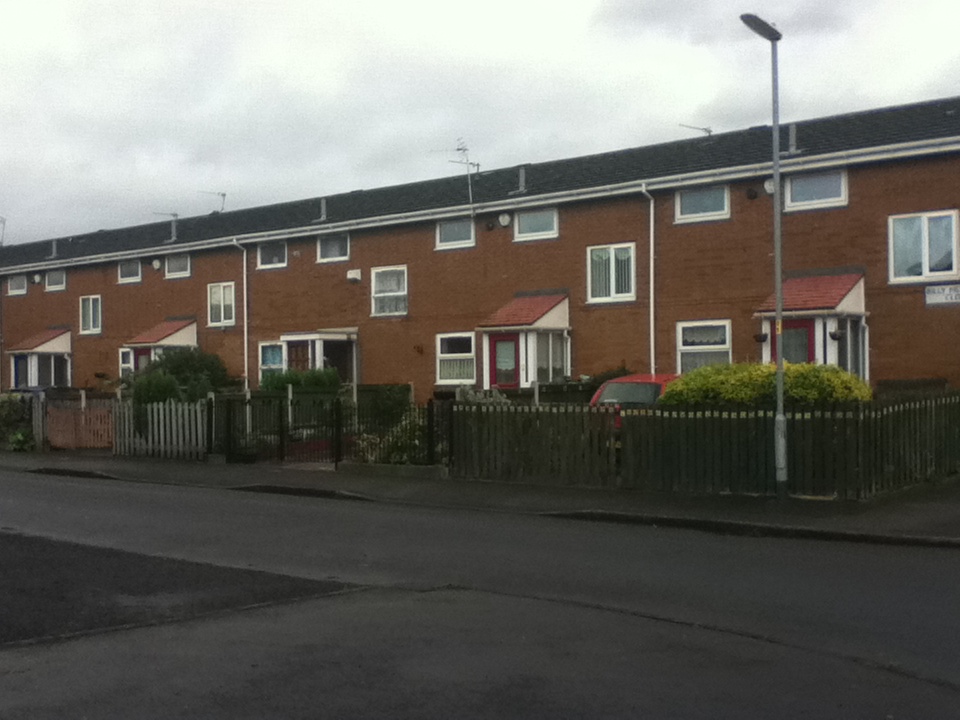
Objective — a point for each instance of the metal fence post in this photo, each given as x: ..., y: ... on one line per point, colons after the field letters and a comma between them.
x: 431, y: 435
x: 281, y: 430
x: 337, y: 432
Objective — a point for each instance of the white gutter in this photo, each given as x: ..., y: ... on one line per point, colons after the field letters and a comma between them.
x: 652, y: 279
x: 246, y: 325
x: 788, y: 164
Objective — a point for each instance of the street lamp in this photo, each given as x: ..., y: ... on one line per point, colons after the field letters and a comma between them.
x: 768, y: 32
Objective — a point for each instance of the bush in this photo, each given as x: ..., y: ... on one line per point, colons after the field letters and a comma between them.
x: 180, y: 374
x: 326, y: 379
x: 753, y: 384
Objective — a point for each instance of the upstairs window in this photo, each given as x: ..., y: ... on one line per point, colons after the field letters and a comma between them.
x: 90, y: 318
x: 456, y: 364
x: 220, y: 304
x: 923, y: 246
x: 703, y: 343
x: 331, y: 248
x: 389, y: 290
x: 701, y: 204
x: 128, y: 271
x: 816, y: 190
x: 17, y: 285
x: 610, y: 273
x: 455, y: 233
x: 56, y: 280
x: 177, y: 266
x: 535, y: 225
x: 272, y: 254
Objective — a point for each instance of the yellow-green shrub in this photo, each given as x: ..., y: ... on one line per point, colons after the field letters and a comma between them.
x: 755, y: 384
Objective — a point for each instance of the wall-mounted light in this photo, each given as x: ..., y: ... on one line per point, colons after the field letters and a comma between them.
x: 37, y: 278
x: 354, y: 275
x: 760, y: 337
x: 155, y: 264
x: 836, y: 334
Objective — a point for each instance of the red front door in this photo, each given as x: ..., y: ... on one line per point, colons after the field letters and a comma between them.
x: 799, y: 344
x: 141, y: 358
x: 505, y: 361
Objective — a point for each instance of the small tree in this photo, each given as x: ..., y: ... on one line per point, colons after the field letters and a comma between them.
x: 180, y: 374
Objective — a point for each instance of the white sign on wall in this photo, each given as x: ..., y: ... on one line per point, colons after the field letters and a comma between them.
x: 943, y: 295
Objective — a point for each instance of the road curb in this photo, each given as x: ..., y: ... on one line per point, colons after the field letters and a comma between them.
x: 751, y: 529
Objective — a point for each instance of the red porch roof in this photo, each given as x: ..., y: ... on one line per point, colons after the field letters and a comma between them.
x: 39, y: 339
x: 523, y: 311
x: 159, y: 332
x: 822, y: 292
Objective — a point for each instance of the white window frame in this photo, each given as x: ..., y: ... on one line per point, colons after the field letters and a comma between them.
x: 283, y: 357
x: 126, y: 364
x: 33, y: 361
x: 96, y: 319
x: 614, y: 296
x: 183, y: 273
x: 338, y: 258
x: 124, y: 280
x: 544, y: 336
x: 727, y: 346
x: 926, y: 275
x: 472, y: 356
x: 543, y: 235
x: 11, y: 290
x: 268, y: 266
x: 49, y: 287
x: 470, y: 242
x: 679, y: 217
x: 223, y: 321
x: 374, y: 295
x: 790, y: 205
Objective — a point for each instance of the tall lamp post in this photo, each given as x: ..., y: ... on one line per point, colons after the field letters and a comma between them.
x: 768, y: 32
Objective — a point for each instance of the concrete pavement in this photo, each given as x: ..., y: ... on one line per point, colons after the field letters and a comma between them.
x: 928, y: 515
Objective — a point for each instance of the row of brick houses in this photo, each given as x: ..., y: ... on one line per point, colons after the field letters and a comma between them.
x: 657, y: 258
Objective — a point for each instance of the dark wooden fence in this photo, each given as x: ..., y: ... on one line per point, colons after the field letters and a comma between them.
x: 844, y: 452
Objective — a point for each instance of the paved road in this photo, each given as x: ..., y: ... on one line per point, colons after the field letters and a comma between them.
x: 492, y: 615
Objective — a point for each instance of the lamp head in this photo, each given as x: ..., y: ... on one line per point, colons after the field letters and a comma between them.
x: 761, y: 27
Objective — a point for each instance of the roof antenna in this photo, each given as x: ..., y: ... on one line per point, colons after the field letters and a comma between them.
x: 173, y: 226
x: 3, y: 228
x: 221, y: 195
x: 464, y: 152
x: 705, y: 130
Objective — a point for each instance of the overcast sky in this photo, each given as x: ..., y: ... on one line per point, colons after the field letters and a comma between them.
x: 114, y: 110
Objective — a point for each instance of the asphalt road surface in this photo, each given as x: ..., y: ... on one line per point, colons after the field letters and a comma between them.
x: 475, y: 615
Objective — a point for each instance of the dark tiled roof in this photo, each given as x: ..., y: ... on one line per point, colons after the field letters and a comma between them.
x: 853, y: 131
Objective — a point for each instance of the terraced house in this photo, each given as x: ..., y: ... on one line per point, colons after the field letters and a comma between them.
x: 656, y: 257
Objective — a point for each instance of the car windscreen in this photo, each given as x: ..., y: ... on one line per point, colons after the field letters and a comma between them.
x: 630, y: 394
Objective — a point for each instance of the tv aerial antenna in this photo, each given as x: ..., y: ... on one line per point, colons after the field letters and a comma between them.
x: 464, y: 160
x: 705, y: 130
x: 221, y: 195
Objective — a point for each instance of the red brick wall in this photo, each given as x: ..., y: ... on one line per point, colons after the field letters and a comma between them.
x: 711, y: 270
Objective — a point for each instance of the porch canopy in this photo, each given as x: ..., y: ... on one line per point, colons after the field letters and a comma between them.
x: 547, y: 312
x: 52, y: 341
x: 174, y: 332
x: 818, y: 295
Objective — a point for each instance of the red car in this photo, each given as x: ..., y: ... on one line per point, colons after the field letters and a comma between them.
x: 631, y: 391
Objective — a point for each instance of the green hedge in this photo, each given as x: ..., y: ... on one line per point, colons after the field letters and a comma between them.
x: 753, y: 384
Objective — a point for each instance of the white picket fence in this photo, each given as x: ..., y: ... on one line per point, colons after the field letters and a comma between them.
x: 169, y: 429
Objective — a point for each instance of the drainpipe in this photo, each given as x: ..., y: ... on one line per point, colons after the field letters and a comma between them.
x: 246, y: 326
x: 651, y: 265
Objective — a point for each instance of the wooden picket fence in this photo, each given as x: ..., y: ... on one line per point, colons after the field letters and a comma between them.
x: 853, y: 451
x: 174, y: 430
x: 558, y: 444
x: 67, y: 424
